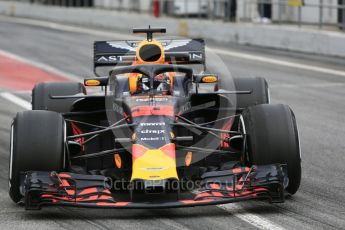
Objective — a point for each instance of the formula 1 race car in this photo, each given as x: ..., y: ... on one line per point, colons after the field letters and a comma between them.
x: 157, y: 134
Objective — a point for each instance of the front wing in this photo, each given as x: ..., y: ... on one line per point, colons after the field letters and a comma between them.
x: 94, y: 191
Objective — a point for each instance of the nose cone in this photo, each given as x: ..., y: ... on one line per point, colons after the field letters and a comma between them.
x: 154, y: 164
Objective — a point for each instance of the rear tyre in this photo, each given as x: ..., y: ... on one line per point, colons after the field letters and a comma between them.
x: 41, y: 93
x: 260, y: 91
x: 37, y: 144
x: 273, y: 138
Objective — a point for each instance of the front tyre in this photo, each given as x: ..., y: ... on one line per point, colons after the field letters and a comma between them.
x: 37, y: 144
x: 273, y: 138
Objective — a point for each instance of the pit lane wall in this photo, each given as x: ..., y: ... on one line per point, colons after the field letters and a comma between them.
x: 270, y: 36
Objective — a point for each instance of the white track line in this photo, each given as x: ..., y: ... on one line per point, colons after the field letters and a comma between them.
x: 16, y: 100
x: 250, y: 218
x: 278, y: 62
x: 312, y: 85
x: 42, y: 66
x: 70, y: 28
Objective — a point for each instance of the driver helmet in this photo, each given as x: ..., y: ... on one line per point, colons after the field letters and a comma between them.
x: 161, y: 84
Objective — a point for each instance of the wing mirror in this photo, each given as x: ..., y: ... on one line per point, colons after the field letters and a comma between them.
x: 97, y: 81
x: 205, y: 78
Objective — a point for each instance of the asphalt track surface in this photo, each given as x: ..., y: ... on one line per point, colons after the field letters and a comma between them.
x: 317, y: 98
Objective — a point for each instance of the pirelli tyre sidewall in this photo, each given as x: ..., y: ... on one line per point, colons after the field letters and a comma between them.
x: 42, y: 92
x: 272, y: 137
x: 260, y: 92
x: 37, y: 144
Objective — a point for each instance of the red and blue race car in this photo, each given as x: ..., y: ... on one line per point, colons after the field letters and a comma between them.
x: 157, y: 134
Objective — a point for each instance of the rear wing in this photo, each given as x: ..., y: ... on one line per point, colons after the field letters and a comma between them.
x: 177, y: 51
